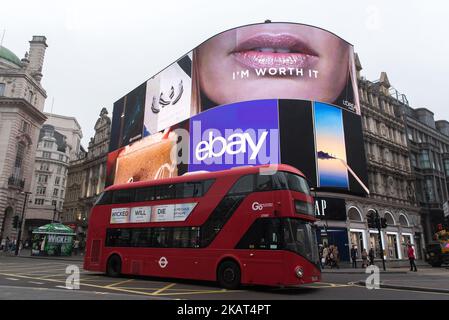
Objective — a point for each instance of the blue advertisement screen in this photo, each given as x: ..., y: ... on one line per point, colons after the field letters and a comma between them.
x: 244, y: 133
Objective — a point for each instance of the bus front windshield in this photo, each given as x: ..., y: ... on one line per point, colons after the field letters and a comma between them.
x: 300, y: 237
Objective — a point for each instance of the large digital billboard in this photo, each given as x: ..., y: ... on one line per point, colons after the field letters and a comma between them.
x: 264, y: 93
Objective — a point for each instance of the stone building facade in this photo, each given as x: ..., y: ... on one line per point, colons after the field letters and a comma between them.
x: 22, y: 99
x: 49, y: 179
x: 390, y: 178
x: 86, y: 177
x: 428, y: 142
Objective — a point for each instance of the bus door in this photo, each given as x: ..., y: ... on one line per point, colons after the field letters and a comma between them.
x: 263, y: 258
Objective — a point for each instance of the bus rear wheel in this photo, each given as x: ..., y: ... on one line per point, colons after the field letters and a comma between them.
x: 228, y: 275
x: 114, y: 266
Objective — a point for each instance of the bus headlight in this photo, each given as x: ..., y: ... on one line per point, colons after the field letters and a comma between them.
x: 299, y: 272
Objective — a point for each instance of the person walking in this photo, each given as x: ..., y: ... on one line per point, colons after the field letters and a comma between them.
x: 325, y: 255
x: 336, y: 257
x: 371, y: 255
x: 354, y: 256
x: 76, y: 244
x: 364, y: 258
x: 7, y: 244
x: 411, y: 257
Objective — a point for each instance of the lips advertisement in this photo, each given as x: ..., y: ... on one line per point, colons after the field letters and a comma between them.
x: 244, y: 97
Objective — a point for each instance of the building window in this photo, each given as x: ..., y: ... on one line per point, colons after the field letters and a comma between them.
x: 55, y: 192
x: 446, y: 166
x: 62, y: 194
x: 429, y: 191
x: 46, y: 155
x: 58, y: 169
x: 53, y: 203
x: 19, y: 159
x: 48, y: 144
x: 424, y: 159
x: 392, y: 246
x: 43, y: 178
x: 30, y: 96
x: 45, y: 166
x: 41, y: 190
x: 410, y: 135
x: 61, y: 157
x: 2, y: 89
x: 26, y: 127
x: 57, y: 180
x: 39, y: 201
x: 413, y: 160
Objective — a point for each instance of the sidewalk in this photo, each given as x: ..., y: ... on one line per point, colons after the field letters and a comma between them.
x: 26, y: 253
x: 437, y: 285
x: 363, y: 270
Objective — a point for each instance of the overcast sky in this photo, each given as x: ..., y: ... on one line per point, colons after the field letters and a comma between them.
x: 100, y: 50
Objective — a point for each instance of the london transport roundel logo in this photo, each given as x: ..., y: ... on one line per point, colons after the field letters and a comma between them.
x: 163, y: 262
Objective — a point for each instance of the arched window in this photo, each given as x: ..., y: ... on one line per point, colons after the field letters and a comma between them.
x: 354, y: 214
x: 19, y: 159
x: 403, y: 221
x: 390, y: 220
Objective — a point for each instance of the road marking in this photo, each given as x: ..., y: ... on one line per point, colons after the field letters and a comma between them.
x: 12, y: 279
x: 164, y: 288
x: 35, y: 282
x: 117, y: 283
x: 193, y: 292
x: 62, y: 287
x: 87, y: 285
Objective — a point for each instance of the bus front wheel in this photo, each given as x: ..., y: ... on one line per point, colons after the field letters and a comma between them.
x: 228, y: 275
x: 114, y: 266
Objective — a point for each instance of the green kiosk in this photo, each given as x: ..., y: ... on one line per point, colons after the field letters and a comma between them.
x: 54, y: 239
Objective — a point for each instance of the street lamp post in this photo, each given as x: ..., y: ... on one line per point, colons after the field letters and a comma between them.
x: 19, y: 235
x: 54, y: 214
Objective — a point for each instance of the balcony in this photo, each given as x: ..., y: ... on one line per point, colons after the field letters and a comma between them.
x: 16, y: 182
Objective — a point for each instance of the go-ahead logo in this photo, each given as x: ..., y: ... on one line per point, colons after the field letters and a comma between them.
x: 256, y: 206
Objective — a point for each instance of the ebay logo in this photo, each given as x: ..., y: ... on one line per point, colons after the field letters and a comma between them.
x: 236, y: 134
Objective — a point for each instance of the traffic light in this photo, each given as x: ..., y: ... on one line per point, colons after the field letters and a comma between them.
x: 371, y: 220
x: 383, y: 223
x: 15, y: 222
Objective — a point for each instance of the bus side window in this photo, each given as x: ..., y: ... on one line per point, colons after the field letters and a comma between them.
x: 244, y: 185
x: 264, y: 183
x: 165, y: 192
x: 206, y: 185
x: 263, y: 235
x: 145, y: 194
x: 279, y: 181
x: 185, y: 190
x: 123, y: 196
x: 105, y: 198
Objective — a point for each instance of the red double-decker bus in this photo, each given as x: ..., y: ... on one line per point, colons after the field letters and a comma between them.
x: 248, y: 225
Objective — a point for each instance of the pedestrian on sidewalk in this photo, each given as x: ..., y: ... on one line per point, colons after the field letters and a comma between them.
x: 411, y: 257
x: 325, y: 258
x: 336, y: 257
x: 76, y: 244
x: 364, y: 258
x: 371, y: 255
x: 354, y: 256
